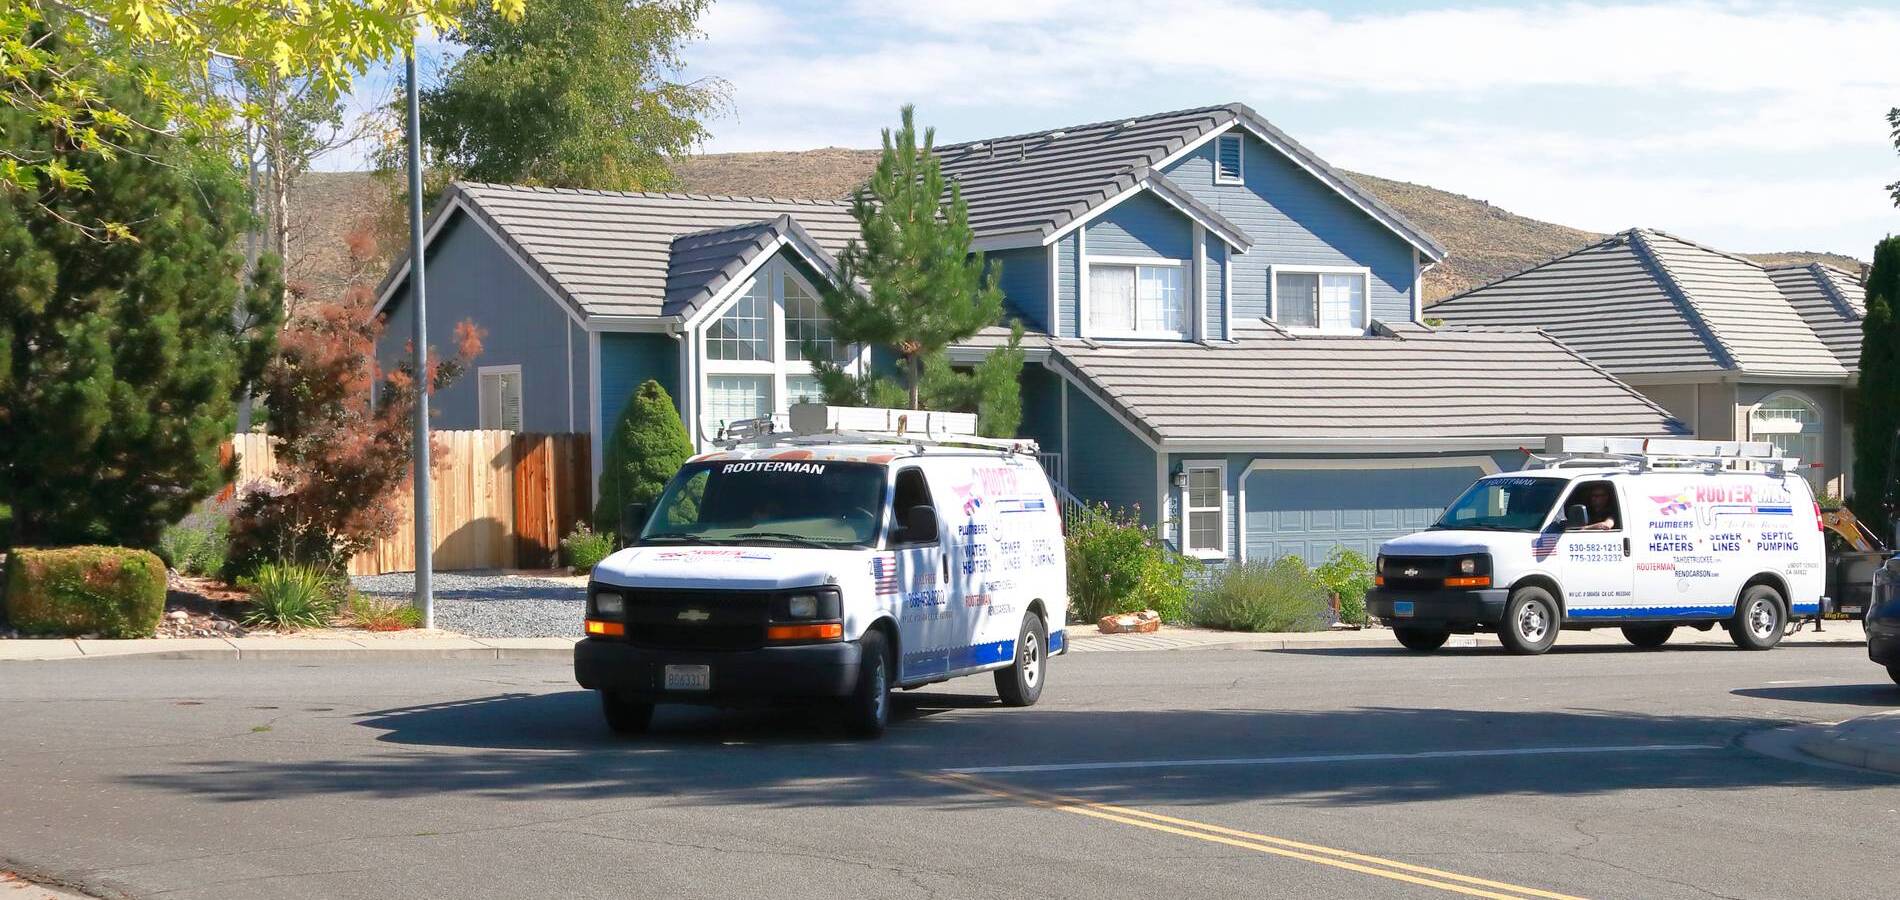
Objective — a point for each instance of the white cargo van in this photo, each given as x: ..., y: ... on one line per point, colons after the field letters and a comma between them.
x: 1642, y: 535
x: 862, y: 550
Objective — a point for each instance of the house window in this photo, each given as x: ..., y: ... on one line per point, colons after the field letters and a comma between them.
x: 743, y: 333
x: 805, y: 320
x: 1320, y: 300
x: 803, y: 389
x: 1227, y: 160
x: 1137, y: 300
x: 499, y: 397
x: 1794, y: 426
x: 1204, y: 509
x: 730, y: 398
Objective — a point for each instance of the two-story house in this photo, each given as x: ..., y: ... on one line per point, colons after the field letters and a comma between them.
x: 1224, y: 331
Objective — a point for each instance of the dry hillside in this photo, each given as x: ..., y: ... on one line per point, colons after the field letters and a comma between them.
x: 1486, y: 242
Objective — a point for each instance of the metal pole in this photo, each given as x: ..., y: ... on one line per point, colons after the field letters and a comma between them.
x: 418, y: 299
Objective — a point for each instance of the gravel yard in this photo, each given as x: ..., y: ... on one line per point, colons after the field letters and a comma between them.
x: 482, y: 604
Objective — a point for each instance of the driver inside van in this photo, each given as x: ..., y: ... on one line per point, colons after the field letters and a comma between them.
x: 1600, y: 500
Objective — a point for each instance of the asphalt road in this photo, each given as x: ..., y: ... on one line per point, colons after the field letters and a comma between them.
x: 1208, y: 773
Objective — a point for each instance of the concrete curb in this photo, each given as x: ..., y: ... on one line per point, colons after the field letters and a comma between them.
x: 308, y: 649
x: 1869, y: 742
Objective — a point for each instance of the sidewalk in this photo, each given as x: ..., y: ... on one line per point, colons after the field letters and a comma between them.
x: 1869, y: 742
x: 1084, y: 639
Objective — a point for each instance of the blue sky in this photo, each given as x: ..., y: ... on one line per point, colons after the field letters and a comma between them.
x: 1749, y: 126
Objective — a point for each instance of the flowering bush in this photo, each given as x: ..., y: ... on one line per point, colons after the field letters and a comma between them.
x: 1283, y: 595
x: 1348, y: 575
x: 1117, y: 565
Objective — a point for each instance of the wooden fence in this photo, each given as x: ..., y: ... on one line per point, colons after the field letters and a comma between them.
x: 499, y: 500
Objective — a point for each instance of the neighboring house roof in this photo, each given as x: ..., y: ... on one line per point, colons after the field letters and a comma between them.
x: 704, y: 263
x: 1648, y: 302
x: 609, y: 253
x: 1036, y: 184
x: 1832, y: 302
x: 1426, y: 388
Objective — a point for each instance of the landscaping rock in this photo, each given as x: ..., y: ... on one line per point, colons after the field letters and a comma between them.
x: 1143, y: 622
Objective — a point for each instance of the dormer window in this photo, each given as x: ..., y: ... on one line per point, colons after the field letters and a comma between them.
x: 1228, y: 160
x: 1321, y: 299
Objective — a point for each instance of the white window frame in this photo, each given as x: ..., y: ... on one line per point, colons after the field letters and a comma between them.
x: 1240, y: 178
x: 1188, y: 509
x: 1817, y: 431
x: 481, y: 396
x: 782, y: 364
x: 1190, y: 300
x: 1273, y: 296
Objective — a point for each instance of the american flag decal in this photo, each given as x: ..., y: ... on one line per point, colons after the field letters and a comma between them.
x: 884, y: 575
x: 1546, y: 543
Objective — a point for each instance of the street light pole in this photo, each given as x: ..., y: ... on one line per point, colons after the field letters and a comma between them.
x: 418, y: 299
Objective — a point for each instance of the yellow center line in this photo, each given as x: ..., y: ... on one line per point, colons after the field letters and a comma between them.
x: 1246, y: 840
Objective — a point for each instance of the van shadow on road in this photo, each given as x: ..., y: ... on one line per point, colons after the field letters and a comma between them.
x: 1882, y: 694
x: 525, y: 746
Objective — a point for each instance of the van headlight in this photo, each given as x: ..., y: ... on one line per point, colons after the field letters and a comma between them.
x: 1468, y: 566
x: 606, y: 604
x: 802, y: 606
x: 822, y: 604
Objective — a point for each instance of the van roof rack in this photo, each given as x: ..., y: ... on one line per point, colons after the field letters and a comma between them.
x: 1645, y: 454
x: 818, y: 423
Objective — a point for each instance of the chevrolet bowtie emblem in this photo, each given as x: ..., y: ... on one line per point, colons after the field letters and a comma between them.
x: 694, y: 615
x: 1411, y: 573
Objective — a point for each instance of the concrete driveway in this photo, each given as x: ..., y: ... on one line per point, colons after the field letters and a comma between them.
x: 1590, y: 772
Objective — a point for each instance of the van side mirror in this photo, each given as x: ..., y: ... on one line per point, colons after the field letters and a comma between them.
x: 1576, y: 515
x: 920, y: 525
x: 633, y: 520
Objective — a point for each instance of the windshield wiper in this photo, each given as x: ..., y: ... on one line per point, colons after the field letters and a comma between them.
x: 674, y: 537
x: 788, y: 537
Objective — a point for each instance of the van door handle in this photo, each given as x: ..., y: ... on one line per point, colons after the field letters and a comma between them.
x: 1626, y: 546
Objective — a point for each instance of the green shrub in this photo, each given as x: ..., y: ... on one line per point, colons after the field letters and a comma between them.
x: 371, y: 614
x: 112, y: 591
x: 584, y: 548
x: 198, y: 544
x: 1118, y: 565
x: 287, y: 597
x: 1283, y: 595
x: 647, y: 445
x: 1347, y: 574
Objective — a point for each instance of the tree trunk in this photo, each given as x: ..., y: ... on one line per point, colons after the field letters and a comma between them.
x: 914, y: 363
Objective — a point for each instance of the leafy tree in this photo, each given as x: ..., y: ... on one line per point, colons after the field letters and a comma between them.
x: 576, y: 93
x: 121, y: 363
x: 923, y: 289
x: 646, y: 447
x: 1877, y: 427
x: 169, y: 47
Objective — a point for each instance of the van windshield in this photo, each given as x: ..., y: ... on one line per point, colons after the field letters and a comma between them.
x: 806, y: 502
x: 1509, y: 503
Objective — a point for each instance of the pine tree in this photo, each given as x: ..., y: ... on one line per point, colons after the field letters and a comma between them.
x: 645, y: 448
x: 1877, y: 425
x: 923, y: 289
x: 122, y: 358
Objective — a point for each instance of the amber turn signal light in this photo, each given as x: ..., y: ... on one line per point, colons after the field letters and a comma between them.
x: 1378, y: 580
x: 1469, y: 582
x: 828, y: 631
x: 606, y: 629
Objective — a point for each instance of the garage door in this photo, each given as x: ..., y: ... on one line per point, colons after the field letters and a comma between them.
x: 1306, y: 512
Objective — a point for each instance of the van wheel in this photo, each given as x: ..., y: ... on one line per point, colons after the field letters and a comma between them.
x: 1021, y: 683
x: 1530, y: 621
x: 1759, y: 619
x: 868, y: 709
x: 1423, y: 640
x: 625, y: 716
x: 1648, y: 636
x: 1893, y: 672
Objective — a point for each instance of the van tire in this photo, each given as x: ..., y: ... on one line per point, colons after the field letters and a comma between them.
x: 1020, y: 684
x: 625, y: 716
x: 1531, y: 621
x: 1893, y: 672
x: 868, y: 709
x: 1760, y: 618
x: 1648, y: 637
x: 1421, y: 640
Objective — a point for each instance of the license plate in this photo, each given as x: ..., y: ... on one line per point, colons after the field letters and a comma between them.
x: 689, y: 678
x: 1402, y: 608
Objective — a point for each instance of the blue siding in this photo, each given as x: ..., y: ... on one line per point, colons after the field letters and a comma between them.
x: 1042, y: 407
x: 1108, y: 464
x: 470, y: 278
x: 626, y: 360
x: 1295, y: 219
x: 1215, y: 323
x: 1142, y: 225
x: 1067, y: 261
x: 1024, y: 278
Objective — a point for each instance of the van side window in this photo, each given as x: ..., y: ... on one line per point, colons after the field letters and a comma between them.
x: 1598, y: 498
x: 911, y: 492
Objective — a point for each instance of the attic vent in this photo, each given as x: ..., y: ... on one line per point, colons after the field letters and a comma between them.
x: 1227, y: 159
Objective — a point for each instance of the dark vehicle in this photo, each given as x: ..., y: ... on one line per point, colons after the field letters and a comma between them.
x: 1883, y: 618
x: 1853, y: 555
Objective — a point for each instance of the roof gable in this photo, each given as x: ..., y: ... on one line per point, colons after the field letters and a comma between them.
x: 1832, y: 302
x: 704, y: 264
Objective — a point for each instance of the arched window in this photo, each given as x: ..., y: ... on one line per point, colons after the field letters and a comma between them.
x: 755, y: 363
x: 1793, y: 424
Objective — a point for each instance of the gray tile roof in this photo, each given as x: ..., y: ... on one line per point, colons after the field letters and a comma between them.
x: 1511, y: 387
x: 704, y: 262
x: 1832, y: 302
x: 1648, y: 302
x: 1035, y: 184
x: 608, y: 253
